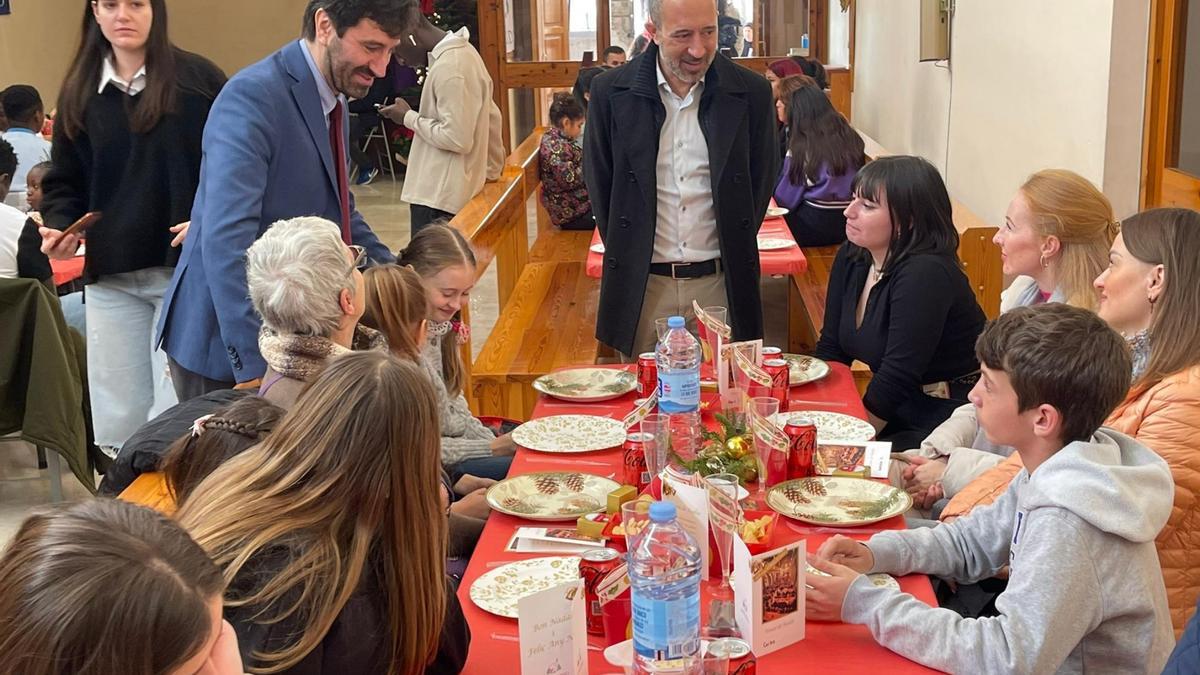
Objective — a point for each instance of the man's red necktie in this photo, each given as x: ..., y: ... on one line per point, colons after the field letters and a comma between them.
x: 339, y: 160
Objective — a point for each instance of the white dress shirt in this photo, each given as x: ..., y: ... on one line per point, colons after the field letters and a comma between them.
x: 686, y: 230
x: 109, y: 74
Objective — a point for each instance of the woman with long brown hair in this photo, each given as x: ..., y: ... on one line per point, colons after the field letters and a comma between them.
x: 127, y: 143
x: 447, y: 266
x: 104, y: 586
x: 331, y: 532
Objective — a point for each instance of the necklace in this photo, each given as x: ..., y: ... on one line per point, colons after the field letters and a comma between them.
x: 876, y: 274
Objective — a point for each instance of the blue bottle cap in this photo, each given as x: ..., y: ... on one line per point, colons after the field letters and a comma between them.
x: 662, y: 512
x: 675, y: 322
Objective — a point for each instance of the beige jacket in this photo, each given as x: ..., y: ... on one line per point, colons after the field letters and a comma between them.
x: 457, y: 140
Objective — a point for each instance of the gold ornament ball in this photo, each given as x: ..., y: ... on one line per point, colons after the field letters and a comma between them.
x: 738, y: 447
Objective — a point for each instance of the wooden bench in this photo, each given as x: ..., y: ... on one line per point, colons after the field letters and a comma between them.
x: 550, y: 323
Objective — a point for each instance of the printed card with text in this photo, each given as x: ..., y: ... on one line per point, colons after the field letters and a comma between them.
x: 844, y: 456
x: 552, y: 629
x: 769, y: 595
x: 691, y: 509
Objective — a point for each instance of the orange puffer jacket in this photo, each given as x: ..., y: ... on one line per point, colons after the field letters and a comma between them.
x: 1165, y: 418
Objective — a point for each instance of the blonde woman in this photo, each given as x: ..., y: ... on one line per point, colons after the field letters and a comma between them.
x: 1055, y: 240
x: 331, y: 533
x: 447, y: 267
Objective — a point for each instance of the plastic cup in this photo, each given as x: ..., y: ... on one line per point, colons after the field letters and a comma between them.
x: 635, y: 518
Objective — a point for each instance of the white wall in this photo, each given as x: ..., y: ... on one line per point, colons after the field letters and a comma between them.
x: 839, y: 35
x: 1031, y: 85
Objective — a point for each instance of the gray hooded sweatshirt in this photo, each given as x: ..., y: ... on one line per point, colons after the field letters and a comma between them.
x: 1085, y: 592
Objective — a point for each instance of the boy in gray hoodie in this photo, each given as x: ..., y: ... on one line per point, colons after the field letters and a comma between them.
x: 1076, y: 527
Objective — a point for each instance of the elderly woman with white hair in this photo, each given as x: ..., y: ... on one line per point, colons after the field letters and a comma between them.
x: 305, y: 284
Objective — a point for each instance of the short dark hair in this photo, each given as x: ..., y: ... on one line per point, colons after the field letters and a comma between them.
x: 611, y: 49
x: 21, y: 103
x: 565, y: 105
x: 922, y: 217
x: 1063, y: 356
x: 8, y: 158
x: 583, y: 84
x: 393, y: 16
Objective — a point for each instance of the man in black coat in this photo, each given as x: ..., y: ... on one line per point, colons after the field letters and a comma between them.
x: 680, y: 160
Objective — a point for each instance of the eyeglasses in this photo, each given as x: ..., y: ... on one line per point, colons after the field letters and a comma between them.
x: 360, y: 256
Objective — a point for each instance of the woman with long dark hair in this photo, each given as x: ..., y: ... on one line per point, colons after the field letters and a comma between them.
x: 131, y: 114
x: 899, y: 301
x: 824, y: 154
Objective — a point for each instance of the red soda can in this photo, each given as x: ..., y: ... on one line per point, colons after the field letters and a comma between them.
x: 647, y: 374
x: 780, y: 373
x: 741, y: 659
x: 637, y: 473
x: 772, y: 353
x: 802, y: 444
x: 594, y: 565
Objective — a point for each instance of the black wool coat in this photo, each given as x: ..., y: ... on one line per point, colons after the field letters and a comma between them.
x: 625, y: 118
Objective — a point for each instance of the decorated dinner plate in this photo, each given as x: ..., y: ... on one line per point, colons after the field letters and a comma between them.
x: 570, y: 433
x: 586, y: 385
x: 776, y: 211
x: 832, y: 427
x: 804, y: 369
x: 499, y: 590
x: 596, y: 248
x: 774, y: 243
x: 838, y: 502
x: 551, y: 495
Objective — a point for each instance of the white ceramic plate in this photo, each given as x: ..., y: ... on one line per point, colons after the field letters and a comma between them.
x: 831, y: 426
x: 776, y: 211
x: 570, y: 433
x: 551, y: 495
x: 499, y: 590
x: 804, y: 369
x: 586, y: 385
x: 774, y: 244
x: 838, y: 502
x: 596, y: 248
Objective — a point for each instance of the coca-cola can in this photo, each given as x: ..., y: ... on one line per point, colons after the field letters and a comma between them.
x: 780, y: 373
x: 637, y: 473
x: 647, y: 374
x: 741, y: 659
x: 802, y: 444
x: 594, y: 565
x: 772, y: 353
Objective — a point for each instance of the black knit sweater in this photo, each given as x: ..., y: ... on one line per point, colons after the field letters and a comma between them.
x: 144, y: 183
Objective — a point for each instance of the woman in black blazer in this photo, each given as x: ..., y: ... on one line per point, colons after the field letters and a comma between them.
x: 899, y: 301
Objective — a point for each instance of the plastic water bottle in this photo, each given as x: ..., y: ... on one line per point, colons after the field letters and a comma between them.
x: 664, y: 573
x: 678, y: 359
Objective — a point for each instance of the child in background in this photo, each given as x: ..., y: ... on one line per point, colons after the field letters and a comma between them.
x: 560, y: 163
x: 1076, y: 527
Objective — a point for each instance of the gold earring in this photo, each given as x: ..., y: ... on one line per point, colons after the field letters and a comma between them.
x: 1042, y: 260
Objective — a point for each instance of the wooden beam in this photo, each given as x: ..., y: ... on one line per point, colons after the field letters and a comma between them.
x: 492, y: 49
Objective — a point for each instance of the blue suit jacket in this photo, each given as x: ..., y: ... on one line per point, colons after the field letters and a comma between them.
x: 266, y: 158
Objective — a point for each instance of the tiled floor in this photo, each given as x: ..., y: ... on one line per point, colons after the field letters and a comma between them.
x: 23, y: 487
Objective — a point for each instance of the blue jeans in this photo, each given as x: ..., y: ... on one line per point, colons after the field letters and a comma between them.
x: 485, y: 467
x: 73, y: 311
x: 127, y: 375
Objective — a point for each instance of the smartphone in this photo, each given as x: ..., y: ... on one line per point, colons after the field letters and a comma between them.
x: 85, y: 221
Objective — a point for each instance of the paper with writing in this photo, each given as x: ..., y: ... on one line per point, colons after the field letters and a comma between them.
x: 552, y: 629
x: 769, y: 591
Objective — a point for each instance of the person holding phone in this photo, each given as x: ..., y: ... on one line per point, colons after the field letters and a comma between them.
x: 364, y: 117
x: 131, y: 114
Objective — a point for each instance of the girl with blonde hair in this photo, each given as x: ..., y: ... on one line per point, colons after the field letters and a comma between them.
x: 396, y: 306
x: 1055, y: 240
x: 330, y: 532
x: 447, y: 266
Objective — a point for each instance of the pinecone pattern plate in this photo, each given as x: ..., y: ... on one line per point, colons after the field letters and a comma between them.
x: 587, y: 385
x: 837, y: 501
x: 551, y: 495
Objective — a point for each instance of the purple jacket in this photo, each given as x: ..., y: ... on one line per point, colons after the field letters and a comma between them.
x: 826, y: 192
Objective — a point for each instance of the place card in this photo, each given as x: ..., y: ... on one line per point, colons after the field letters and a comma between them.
x: 769, y: 595
x: 727, y: 374
x: 847, y: 457
x: 691, y: 509
x: 639, y: 413
x: 551, y: 540
x: 552, y: 630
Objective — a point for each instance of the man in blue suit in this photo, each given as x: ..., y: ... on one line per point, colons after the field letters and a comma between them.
x: 270, y: 154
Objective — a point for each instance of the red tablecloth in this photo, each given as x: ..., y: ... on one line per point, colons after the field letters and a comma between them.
x: 781, y: 261
x: 66, y: 271
x: 828, y: 647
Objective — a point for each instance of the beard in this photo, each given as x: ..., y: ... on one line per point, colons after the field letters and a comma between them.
x: 343, y: 73
x: 675, y: 65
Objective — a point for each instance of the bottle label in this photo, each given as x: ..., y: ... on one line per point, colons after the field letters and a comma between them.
x: 679, y: 390
x: 666, y: 629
